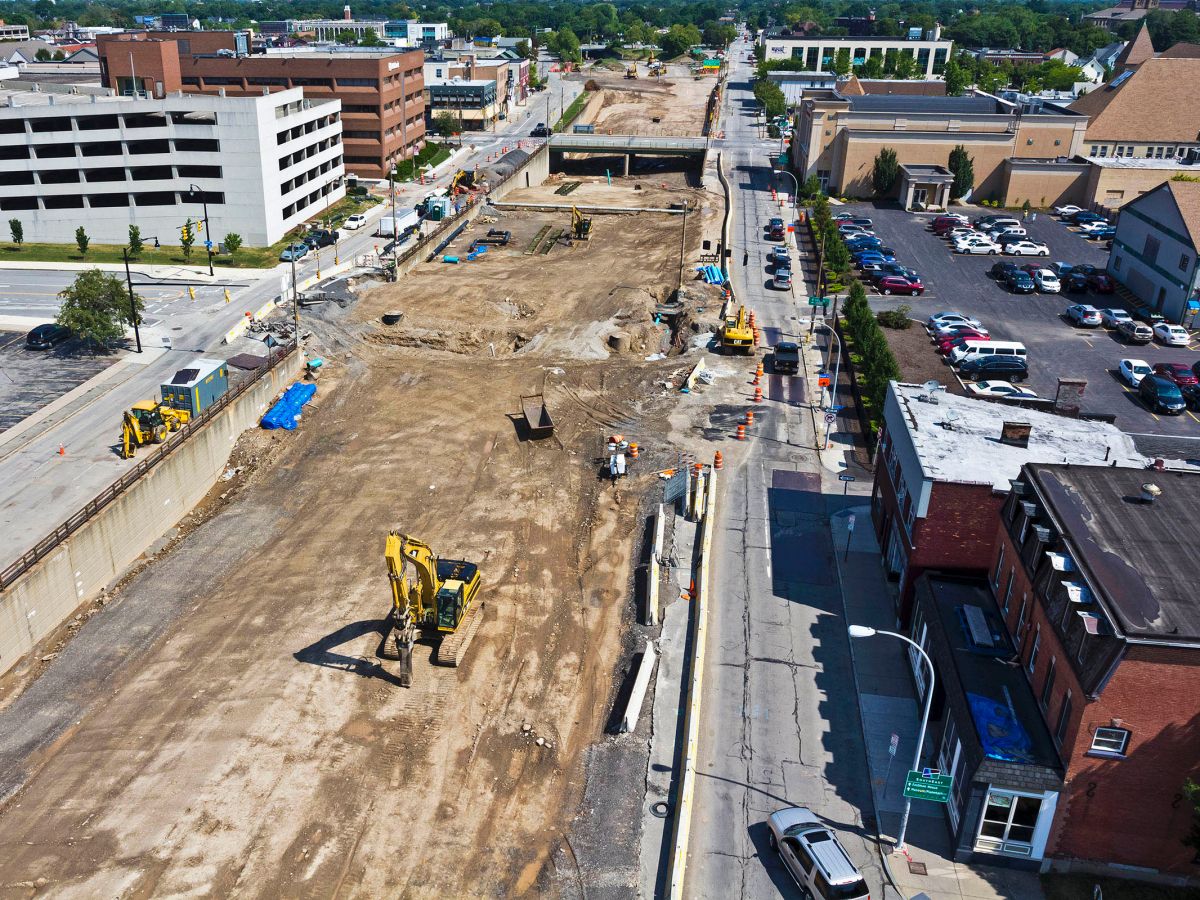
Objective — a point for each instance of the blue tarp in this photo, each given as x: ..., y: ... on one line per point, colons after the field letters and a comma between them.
x: 285, y: 413
x: 711, y: 274
x: 1002, y: 736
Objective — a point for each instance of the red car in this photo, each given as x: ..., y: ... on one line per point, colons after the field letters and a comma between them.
x: 946, y: 344
x: 898, y: 284
x: 1101, y: 283
x: 1177, y: 372
x: 942, y: 224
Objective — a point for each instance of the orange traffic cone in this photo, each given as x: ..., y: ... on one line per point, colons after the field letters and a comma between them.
x: 62, y: 450
x: 741, y: 434
x: 755, y: 379
x: 633, y: 451
x: 758, y: 395
x: 719, y: 460
x: 749, y: 417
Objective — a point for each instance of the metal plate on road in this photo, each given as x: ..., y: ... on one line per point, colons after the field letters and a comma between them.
x: 934, y: 786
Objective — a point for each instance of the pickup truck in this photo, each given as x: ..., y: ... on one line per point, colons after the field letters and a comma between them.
x: 786, y: 359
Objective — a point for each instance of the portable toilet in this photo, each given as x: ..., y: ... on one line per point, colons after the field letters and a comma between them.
x: 197, y: 387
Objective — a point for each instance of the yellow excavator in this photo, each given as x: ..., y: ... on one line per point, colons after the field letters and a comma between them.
x: 149, y: 422
x: 736, y: 334
x: 632, y: 71
x: 581, y: 227
x: 440, y: 600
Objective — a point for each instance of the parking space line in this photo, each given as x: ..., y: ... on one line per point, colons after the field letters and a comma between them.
x: 1189, y: 412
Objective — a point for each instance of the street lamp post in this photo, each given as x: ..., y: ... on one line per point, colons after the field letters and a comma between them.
x: 395, y: 230
x: 796, y: 194
x: 833, y: 384
x: 861, y: 631
x: 193, y: 191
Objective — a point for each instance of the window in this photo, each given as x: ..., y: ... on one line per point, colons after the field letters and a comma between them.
x: 1021, y: 620
x: 1120, y: 151
x: 1150, y: 251
x: 345, y: 82
x: 1064, y: 719
x: 1093, y: 150
x: 1012, y: 572
x: 1184, y: 262
x: 1110, y: 740
x: 1129, y: 150
x: 198, y: 145
x: 1048, y: 686
x: 1104, y: 151
x: 999, y: 568
x: 1037, y: 645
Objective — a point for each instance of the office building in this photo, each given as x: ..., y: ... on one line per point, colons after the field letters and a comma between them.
x: 818, y: 53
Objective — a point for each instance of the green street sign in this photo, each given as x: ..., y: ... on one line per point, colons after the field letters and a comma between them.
x: 928, y: 785
x: 818, y: 301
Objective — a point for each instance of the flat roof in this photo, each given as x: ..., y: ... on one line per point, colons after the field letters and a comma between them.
x: 1141, y: 162
x: 855, y: 39
x: 1138, y: 557
x: 958, y: 438
x: 908, y: 103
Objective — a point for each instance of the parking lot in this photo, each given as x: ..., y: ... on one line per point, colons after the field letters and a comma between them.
x: 960, y: 283
x: 30, y: 379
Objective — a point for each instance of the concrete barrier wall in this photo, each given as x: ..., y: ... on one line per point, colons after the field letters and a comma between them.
x: 95, y: 555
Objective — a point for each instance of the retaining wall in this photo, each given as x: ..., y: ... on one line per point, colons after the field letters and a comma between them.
x: 96, y: 554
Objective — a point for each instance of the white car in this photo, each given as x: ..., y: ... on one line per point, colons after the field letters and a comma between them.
x: 1027, y: 248
x: 1171, y: 335
x: 946, y: 319
x: 1133, y: 370
x: 1069, y: 210
x: 960, y: 231
x: 1111, y: 318
x: 1007, y: 231
x: 358, y: 220
x: 979, y: 245
x: 1046, y: 281
x: 999, y: 389
x: 1090, y: 227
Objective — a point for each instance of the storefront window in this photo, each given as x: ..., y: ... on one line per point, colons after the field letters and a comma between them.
x: 1008, y: 823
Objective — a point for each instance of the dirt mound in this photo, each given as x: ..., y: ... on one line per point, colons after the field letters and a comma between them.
x: 490, y: 342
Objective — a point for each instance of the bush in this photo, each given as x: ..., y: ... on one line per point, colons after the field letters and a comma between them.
x: 896, y: 318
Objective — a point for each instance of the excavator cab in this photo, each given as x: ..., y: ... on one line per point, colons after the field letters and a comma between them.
x: 459, y: 582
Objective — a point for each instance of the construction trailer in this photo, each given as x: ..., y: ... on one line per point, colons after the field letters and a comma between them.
x: 197, y: 387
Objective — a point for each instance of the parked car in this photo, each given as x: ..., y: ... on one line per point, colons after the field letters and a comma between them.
x: 1003, y: 232
x: 47, y: 336
x: 1019, y: 281
x: 848, y: 228
x: 1093, y: 225
x: 1132, y: 332
x: 1171, y: 335
x: 1047, y: 282
x: 1161, y: 395
x: 1103, y: 233
x: 1000, y: 270
x: 979, y: 246
x: 1078, y: 218
x: 1075, y: 282
x: 940, y: 319
x: 945, y: 345
x: 355, y: 222
x: 898, y: 284
x: 1084, y: 315
x: 944, y: 223
x: 1027, y: 248
x: 540, y: 130
x: 1000, y: 389
x: 1067, y: 210
x: 861, y: 221
x: 779, y: 255
x: 776, y: 229
x: 1132, y: 371
x: 814, y: 857
x: 782, y: 279
x: 1147, y: 315
x: 973, y: 332
x: 293, y: 252
x: 894, y: 268
x: 1101, y: 283
x: 320, y: 237
x: 1111, y: 318
x: 985, y: 368
x: 1179, y: 373
x: 958, y: 231
x: 884, y: 253
x: 843, y: 217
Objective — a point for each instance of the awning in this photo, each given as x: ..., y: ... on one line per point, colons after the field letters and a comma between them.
x: 1193, y: 305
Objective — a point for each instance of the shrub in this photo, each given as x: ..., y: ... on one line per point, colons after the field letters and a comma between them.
x: 896, y: 318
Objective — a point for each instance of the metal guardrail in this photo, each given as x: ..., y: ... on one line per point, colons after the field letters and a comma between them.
x: 47, y: 545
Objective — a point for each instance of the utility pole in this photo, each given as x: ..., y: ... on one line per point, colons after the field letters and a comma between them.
x: 395, y: 231
x: 133, y: 313
x: 295, y: 301
x: 192, y: 189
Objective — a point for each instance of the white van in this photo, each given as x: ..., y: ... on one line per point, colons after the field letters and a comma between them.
x: 976, y: 349
x: 999, y: 223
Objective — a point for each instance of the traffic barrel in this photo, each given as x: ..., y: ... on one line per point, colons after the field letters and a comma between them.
x: 741, y: 435
x: 758, y: 395
x: 749, y: 417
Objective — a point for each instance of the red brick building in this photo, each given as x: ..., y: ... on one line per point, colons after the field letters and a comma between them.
x: 943, y: 469
x: 382, y: 93
x: 1098, y: 584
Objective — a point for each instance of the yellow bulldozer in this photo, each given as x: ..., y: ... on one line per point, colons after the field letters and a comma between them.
x: 440, y: 601
x: 581, y: 226
x: 736, y: 334
x: 148, y: 422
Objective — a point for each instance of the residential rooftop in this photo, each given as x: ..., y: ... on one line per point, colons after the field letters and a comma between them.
x: 1137, y: 555
x: 958, y: 438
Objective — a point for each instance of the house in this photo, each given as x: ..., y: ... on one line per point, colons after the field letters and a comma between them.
x: 1096, y: 66
x: 1155, y: 249
x: 943, y: 468
x: 1094, y: 578
x: 1063, y: 55
x: 20, y: 53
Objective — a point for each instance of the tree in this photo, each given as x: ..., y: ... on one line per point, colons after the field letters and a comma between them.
x: 906, y: 66
x: 525, y: 50
x: 97, y: 307
x: 716, y: 35
x: 82, y: 240
x: 345, y: 36
x: 770, y: 95
x: 232, y: 242
x: 957, y: 79
x: 18, y: 231
x: 886, y: 171
x: 678, y: 40
x: 565, y: 45
x: 135, y: 240
x: 371, y: 39
x: 445, y: 124
x: 187, y: 237
x: 43, y: 55
x: 841, y: 62
x: 873, y: 67
x: 963, y: 168
x: 811, y: 188
x: 1191, y: 790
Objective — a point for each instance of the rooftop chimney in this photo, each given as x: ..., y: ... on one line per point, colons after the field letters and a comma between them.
x: 1015, y: 434
x: 1150, y: 492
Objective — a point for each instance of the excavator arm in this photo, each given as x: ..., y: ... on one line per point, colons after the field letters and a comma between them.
x: 411, y: 603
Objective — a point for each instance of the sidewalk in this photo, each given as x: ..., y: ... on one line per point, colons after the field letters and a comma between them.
x: 888, y: 706
x: 200, y: 270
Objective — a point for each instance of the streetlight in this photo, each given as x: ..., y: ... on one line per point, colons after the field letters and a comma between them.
x: 833, y: 384
x: 192, y: 192
x: 796, y: 181
x: 863, y: 631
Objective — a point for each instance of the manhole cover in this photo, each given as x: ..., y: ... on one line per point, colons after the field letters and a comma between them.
x: 917, y: 868
x: 660, y: 809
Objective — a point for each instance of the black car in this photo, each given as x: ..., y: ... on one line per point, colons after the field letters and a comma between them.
x: 984, y: 368
x: 47, y: 336
x: 1075, y: 282
x: 1020, y: 282
x: 1085, y: 216
x: 1161, y: 395
x: 786, y: 358
x: 320, y: 237
x: 1000, y: 271
x: 893, y: 268
x: 540, y: 130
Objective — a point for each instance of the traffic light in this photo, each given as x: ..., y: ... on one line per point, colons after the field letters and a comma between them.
x: 185, y: 233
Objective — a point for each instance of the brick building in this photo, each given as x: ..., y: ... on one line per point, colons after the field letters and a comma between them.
x: 943, y: 469
x: 1095, y: 580
x: 382, y: 93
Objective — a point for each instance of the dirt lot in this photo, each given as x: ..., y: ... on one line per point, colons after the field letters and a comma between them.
x: 258, y: 747
x: 647, y: 106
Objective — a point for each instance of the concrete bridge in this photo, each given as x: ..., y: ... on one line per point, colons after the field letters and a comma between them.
x: 629, y: 146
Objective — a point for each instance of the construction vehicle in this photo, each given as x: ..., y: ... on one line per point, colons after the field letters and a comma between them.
x: 581, y: 227
x: 632, y: 71
x: 149, y: 422
x: 736, y: 334
x: 440, y: 602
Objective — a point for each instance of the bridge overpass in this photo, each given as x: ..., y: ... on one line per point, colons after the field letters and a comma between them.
x: 629, y: 146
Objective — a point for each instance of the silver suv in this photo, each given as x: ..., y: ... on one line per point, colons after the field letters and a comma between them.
x: 814, y: 857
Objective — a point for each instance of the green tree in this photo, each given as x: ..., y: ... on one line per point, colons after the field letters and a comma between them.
x: 963, y: 168
x: 346, y: 36
x: 17, y: 230
x: 885, y: 171
x: 873, y: 67
x: 445, y: 123
x: 564, y: 43
x: 96, y: 307
x: 82, y: 240
x: 232, y: 242
x: 716, y: 35
x: 957, y: 79
x: 811, y: 188
x: 906, y: 66
x: 841, y: 62
x: 43, y: 55
x: 1191, y: 790
x: 135, y: 240
x: 678, y: 40
x: 187, y: 237
x: 770, y: 95
x: 371, y: 39
x: 525, y: 50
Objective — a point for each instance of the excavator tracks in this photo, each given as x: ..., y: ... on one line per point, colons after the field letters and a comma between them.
x: 453, y: 648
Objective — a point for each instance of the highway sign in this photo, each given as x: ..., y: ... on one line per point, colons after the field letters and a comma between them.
x: 928, y: 785
x: 818, y: 301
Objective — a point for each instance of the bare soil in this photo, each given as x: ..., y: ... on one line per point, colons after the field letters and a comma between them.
x: 647, y: 106
x: 260, y: 747
x: 918, y: 359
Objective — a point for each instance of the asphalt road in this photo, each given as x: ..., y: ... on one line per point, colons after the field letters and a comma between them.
x: 779, y: 722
